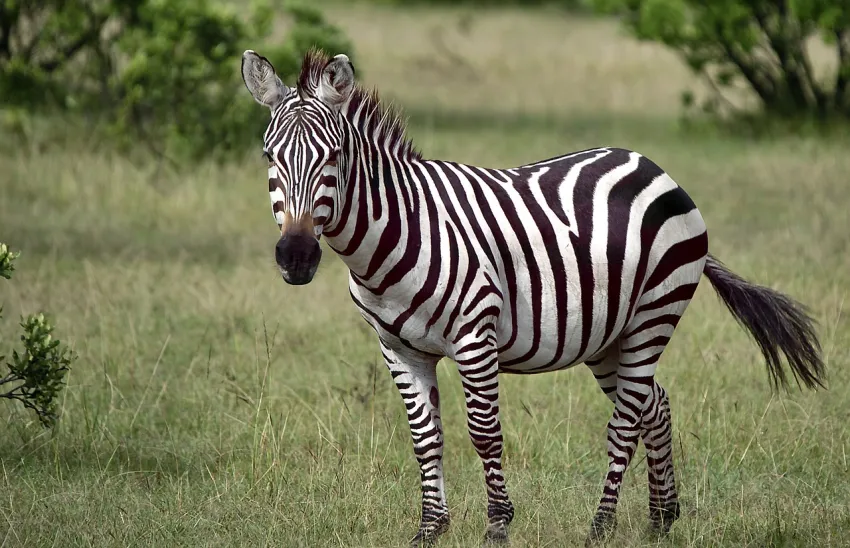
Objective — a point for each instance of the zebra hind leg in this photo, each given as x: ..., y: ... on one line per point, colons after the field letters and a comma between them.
x: 604, y: 367
x: 657, y: 433
x: 641, y: 406
x: 640, y: 409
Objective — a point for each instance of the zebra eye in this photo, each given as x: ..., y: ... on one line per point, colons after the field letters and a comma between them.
x: 267, y: 155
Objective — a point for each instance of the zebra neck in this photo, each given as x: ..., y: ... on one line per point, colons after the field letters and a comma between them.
x: 376, y: 198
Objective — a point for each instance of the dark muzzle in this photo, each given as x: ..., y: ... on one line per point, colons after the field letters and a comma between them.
x: 298, y: 257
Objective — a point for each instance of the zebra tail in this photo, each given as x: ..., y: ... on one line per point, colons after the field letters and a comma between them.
x: 776, y: 322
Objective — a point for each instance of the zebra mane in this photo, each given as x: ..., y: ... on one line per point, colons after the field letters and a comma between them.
x: 381, y: 124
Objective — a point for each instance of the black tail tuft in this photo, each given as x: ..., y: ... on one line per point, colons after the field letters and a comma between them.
x: 776, y: 322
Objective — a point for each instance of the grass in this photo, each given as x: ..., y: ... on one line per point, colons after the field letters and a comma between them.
x: 213, y: 405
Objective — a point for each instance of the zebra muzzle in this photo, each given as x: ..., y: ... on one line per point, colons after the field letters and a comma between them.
x: 297, y: 255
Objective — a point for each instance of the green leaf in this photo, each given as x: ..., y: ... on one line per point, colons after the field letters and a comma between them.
x: 725, y: 77
x: 7, y: 261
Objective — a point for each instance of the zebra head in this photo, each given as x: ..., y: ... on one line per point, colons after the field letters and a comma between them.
x: 302, y: 144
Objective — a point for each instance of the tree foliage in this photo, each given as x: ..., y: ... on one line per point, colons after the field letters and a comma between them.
x: 761, y: 44
x: 569, y: 4
x: 36, y: 373
x: 158, y: 72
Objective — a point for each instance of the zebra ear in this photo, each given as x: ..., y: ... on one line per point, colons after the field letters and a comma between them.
x: 260, y: 79
x: 337, y: 81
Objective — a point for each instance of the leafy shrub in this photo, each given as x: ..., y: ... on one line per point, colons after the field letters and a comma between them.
x: 758, y: 43
x: 574, y: 5
x: 36, y: 374
x: 7, y: 262
x: 157, y: 71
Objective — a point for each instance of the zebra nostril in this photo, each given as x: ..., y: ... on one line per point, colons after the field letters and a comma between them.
x: 282, y: 252
x: 313, y: 254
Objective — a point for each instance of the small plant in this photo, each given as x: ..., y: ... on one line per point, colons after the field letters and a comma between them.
x: 36, y: 374
x: 7, y: 263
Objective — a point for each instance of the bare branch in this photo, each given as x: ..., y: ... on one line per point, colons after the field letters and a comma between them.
x: 84, y: 40
x: 719, y: 93
x: 841, y: 78
x: 9, y: 378
x: 13, y: 394
x: 765, y: 89
x: 820, y: 96
x: 804, y: 66
x: 785, y: 42
x: 139, y: 125
x: 7, y: 19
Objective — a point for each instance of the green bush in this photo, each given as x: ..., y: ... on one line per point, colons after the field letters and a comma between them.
x: 156, y: 72
x: 758, y: 43
x: 573, y: 5
x: 36, y: 374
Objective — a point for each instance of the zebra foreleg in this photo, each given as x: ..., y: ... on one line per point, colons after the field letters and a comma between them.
x: 479, y: 368
x: 415, y: 377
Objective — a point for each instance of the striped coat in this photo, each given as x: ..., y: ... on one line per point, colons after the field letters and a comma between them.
x: 591, y: 258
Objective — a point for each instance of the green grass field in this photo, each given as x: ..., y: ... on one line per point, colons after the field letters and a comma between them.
x: 213, y: 405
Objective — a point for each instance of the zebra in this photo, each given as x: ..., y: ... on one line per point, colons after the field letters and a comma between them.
x: 591, y: 257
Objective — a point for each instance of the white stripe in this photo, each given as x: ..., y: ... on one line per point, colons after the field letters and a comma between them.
x: 276, y: 195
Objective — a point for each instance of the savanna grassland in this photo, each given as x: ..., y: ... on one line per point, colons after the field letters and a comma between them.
x: 213, y: 405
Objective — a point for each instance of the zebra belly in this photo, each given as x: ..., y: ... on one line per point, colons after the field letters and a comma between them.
x: 556, y: 329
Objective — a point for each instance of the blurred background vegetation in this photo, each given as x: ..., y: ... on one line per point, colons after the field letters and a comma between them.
x: 161, y: 74
x: 154, y: 72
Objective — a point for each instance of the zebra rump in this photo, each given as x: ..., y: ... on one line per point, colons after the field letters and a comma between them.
x: 776, y: 322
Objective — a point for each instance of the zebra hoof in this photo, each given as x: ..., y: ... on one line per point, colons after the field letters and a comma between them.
x: 601, y: 527
x: 661, y: 517
x: 496, y: 534
x: 428, y: 532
